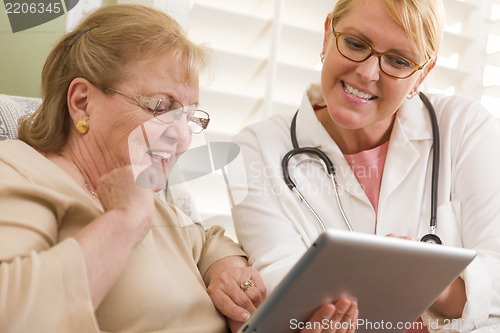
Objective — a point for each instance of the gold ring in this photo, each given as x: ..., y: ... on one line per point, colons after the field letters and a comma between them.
x: 247, y: 285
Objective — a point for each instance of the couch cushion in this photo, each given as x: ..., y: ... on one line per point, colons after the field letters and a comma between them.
x: 11, y: 108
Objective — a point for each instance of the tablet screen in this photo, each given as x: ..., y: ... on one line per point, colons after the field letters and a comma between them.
x: 393, y: 280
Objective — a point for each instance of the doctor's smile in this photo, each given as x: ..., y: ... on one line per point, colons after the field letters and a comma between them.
x: 357, y: 93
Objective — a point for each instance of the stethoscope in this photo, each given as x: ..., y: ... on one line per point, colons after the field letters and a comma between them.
x: 431, y: 237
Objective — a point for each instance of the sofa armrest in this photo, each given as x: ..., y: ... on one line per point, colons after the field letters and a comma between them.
x: 11, y: 109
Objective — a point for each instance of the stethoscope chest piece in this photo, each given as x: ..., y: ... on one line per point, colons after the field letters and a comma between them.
x: 431, y: 239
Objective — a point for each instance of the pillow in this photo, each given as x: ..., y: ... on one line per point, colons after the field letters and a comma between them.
x: 11, y: 109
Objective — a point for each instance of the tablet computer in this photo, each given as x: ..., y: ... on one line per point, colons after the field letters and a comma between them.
x: 394, y: 281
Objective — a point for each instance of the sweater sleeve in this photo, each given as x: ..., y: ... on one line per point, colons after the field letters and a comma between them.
x: 43, y: 282
x: 215, y: 247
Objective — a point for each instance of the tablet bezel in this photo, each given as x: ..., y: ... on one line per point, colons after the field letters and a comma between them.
x: 353, y: 264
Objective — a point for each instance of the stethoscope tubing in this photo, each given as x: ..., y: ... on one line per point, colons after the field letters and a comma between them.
x: 330, y: 169
x: 435, y: 160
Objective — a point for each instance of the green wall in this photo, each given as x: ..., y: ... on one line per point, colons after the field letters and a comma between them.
x: 23, y: 53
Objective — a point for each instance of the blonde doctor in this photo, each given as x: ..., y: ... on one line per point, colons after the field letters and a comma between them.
x: 367, y: 118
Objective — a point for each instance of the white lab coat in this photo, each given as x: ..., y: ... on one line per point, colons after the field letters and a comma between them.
x: 275, y: 229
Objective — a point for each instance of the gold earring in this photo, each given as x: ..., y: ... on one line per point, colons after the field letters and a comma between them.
x: 322, y: 56
x: 412, y: 94
x: 82, y: 126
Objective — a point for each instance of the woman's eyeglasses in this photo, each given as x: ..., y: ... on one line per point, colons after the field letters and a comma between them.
x: 168, y: 110
x: 357, y: 50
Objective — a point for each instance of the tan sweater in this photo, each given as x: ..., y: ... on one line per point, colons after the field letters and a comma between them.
x: 43, y: 283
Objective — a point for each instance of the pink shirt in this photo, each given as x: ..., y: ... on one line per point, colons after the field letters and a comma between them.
x: 368, y: 167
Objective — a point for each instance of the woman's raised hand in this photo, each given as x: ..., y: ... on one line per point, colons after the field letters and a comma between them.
x: 118, y: 191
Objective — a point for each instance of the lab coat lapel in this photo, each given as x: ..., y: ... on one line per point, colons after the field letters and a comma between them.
x: 412, y: 127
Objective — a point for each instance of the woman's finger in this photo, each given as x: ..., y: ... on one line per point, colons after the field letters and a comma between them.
x: 259, y: 283
x: 225, y: 304
x: 340, y: 317
x: 354, y: 320
x: 344, y: 320
x: 240, y: 298
x: 254, y: 295
x: 322, y: 314
x: 401, y: 237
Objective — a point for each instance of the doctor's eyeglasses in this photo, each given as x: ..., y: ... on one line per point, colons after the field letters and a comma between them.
x: 357, y: 50
x: 168, y: 110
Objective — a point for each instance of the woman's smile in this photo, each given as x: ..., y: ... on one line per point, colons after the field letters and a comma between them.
x: 159, y: 157
x: 356, y: 93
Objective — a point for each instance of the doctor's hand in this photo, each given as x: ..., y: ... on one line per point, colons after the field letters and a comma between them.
x: 452, y: 300
x: 400, y: 237
x: 235, y: 289
x: 340, y: 317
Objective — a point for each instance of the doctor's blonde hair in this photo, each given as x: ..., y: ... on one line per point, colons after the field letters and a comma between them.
x: 422, y: 21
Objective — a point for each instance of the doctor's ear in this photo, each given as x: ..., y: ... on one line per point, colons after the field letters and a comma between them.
x: 429, y: 67
x: 328, y: 32
x: 423, y: 75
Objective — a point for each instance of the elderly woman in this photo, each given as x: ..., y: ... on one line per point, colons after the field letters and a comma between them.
x: 368, y: 118
x: 83, y: 248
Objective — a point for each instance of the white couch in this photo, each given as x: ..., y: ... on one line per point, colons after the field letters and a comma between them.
x: 11, y: 108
